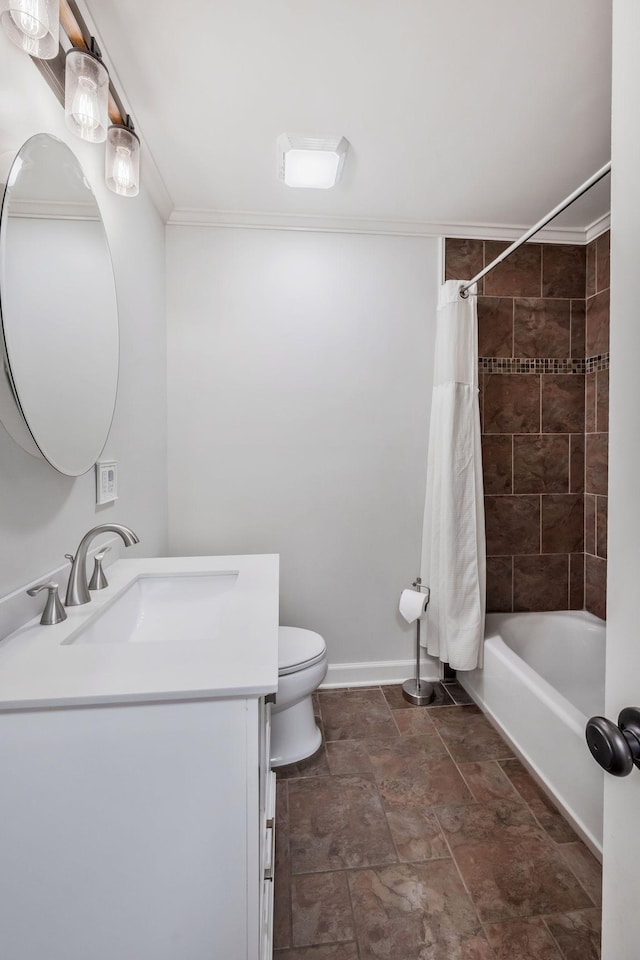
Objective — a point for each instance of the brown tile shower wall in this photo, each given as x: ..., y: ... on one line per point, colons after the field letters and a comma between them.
x: 597, y: 426
x: 536, y: 326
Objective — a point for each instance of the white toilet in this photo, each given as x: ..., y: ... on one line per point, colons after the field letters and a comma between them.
x: 302, y: 666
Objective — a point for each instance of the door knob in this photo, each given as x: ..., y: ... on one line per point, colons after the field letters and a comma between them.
x: 616, y: 748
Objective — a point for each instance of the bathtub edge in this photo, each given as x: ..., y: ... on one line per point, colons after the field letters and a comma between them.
x: 583, y: 832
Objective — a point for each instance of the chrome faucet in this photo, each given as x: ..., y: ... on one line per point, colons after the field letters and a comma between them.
x: 77, y: 588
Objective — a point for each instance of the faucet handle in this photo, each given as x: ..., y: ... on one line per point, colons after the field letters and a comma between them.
x: 53, y: 611
x: 98, y: 579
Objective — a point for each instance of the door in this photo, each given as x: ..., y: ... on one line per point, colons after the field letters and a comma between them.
x: 621, y: 906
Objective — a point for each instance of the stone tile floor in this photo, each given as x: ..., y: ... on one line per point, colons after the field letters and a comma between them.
x: 414, y: 834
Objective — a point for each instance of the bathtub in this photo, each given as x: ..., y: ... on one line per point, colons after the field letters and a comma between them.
x: 543, y: 676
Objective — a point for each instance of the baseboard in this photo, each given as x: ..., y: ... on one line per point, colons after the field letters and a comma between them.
x: 375, y: 672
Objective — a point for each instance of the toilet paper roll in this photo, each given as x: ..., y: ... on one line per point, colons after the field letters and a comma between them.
x: 413, y: 605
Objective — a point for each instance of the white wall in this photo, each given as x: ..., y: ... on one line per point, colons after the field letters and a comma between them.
x: 42, y: 513
x: 299, y: 390
x: 620, y: 932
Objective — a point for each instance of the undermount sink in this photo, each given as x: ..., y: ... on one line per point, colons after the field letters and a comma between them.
x: 153, y: 609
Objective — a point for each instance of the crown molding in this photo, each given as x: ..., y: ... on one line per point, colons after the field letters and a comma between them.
x: 151, y: 179
x: 259, y: 220
x: 255, y: 220
x: 598, y: 227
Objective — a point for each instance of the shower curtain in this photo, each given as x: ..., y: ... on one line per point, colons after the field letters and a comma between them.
x: 453, y: 542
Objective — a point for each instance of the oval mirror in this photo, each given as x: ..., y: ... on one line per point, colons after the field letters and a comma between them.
x: 58, y: 310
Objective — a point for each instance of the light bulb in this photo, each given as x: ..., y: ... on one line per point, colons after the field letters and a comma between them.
x: 33, y: 25
x: 85, y: 109
x: 122, y: 160
x: 86, y: 95
x: 30, y: 17
x: 121, y: 172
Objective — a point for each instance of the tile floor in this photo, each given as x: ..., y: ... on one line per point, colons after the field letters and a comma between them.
x: 414, y: 834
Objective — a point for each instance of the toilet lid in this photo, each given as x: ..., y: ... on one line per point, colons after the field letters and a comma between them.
x: 298, y: 648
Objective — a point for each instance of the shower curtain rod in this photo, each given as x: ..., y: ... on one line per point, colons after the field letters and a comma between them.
x: 602, y: 172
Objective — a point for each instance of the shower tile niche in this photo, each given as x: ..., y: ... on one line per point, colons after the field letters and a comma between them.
x: 543, y: 338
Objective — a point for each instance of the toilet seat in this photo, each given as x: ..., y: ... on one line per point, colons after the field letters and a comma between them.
x: 298, y: 649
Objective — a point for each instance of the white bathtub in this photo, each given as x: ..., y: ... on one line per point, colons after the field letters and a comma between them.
x: 543, y: 677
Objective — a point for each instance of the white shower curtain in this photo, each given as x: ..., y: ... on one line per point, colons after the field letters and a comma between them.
x: 453, y: 543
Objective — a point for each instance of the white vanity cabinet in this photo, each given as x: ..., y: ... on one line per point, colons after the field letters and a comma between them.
x: 137, y: 808
x: 137, y: 832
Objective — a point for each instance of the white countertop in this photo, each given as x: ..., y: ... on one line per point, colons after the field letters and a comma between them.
x: 42, y: 666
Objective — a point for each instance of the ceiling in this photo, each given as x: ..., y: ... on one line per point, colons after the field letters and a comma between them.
x: 460, y: 114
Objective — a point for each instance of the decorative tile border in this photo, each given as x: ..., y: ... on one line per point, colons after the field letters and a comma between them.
x: 600, y: 362
x: 543, y: 364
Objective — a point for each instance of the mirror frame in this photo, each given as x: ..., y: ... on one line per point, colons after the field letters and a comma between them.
x: 12, y: 413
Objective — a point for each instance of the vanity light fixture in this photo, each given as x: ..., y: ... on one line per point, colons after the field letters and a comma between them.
x: 45, y: 29
x: 311, y: 161
x: 122, y: 160
x: 86, y: 93
x: 33, y: 25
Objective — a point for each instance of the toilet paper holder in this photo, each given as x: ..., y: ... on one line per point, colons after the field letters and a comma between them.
x: 416, y: 691
x: 417, y: 583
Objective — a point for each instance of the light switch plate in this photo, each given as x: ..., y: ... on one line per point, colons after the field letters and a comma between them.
x: 106, y: 481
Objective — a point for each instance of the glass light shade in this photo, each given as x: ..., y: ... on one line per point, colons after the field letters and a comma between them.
x: 122, y: 161
x: 86, y: 96
x: 33, y: 25
x: 311, y: 161
x: 311, y: 168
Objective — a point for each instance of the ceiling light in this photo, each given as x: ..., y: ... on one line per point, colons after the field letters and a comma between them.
x: 311, y: 161
x: 33, y: 25
x: 86, y: 93
x: 122, y: 161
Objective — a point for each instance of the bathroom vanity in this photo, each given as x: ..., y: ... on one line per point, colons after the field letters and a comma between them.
x: 137, y: 805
